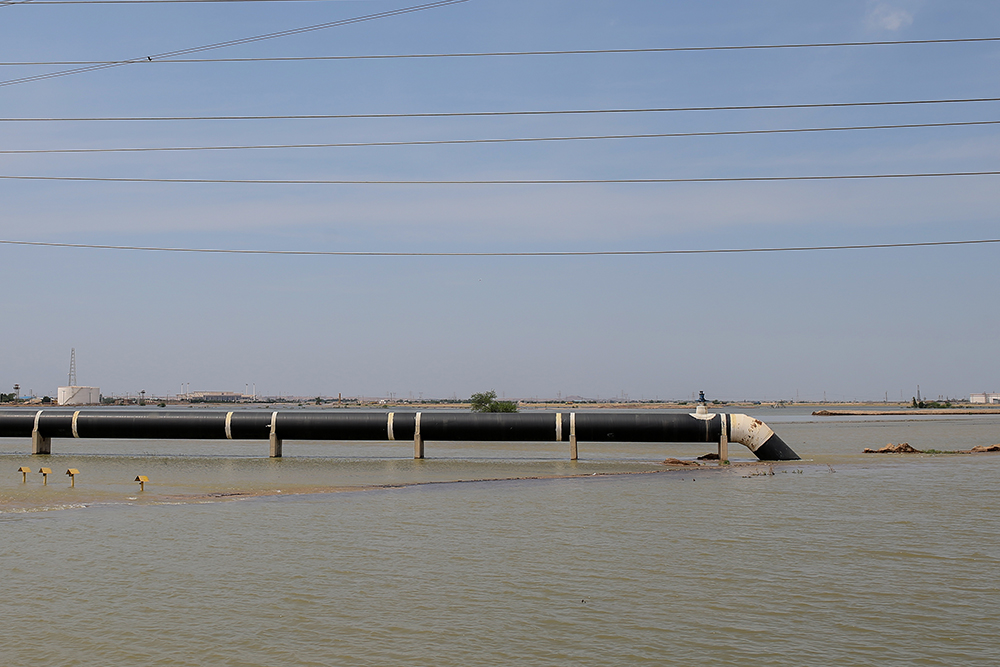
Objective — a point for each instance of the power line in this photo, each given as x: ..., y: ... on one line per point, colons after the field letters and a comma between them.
x: 237, y: 42
x: 136, y: 2
x: 469, y: 114
x: 483, y: 54
x: 552, y: 181
x: 440, y: 142
x: 554, y: 253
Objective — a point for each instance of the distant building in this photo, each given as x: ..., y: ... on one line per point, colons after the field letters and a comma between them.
x: 216, y: 396
x: 78, y: 395
x: 984, y: 398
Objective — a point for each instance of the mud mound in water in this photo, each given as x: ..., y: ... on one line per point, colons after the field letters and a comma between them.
x: 901, y: 448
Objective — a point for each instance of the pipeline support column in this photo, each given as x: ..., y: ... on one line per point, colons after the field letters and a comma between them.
x: 724, y: 441
x: 573, y: 452
x: 274, y: 439
x: 40, y: 445
x: 418, y: 440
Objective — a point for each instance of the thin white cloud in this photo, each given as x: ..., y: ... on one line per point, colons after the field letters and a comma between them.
x: 883, y: 16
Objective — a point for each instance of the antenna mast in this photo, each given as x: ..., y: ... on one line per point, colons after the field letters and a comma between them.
x: 72, y: 367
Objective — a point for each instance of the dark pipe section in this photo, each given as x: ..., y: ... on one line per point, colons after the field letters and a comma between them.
x: 17, y: 424
x: 159, y: 425
x: 775, y: 449
x: 337, y: 426
x: 492, y: 427
x: 601, y: 427
x: 250, y: 425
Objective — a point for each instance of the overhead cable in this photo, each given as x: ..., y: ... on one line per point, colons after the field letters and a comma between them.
x: 468, y: 114
x: 441, y: 142
x: 139, y: 2
x: 498, y: 181
x: 482, y: 54
x: 237, y: 42
x: 552, y: 253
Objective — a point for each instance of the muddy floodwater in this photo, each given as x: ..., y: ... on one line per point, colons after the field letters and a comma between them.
x: 488, y: 554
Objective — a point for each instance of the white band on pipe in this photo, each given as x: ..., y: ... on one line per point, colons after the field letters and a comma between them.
x: 76, y: 415
x: 416, y: 425
x: 572, y: 425
x: 229, y: 422
x: 37, y: 417
x: 558, y: 427
x: 388, y: 426
x: 274, y: 422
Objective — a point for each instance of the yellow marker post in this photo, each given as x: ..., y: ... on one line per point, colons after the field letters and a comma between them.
x: 24, y: 470
x: 45, y: 475
x: 142, y: 479
x: 72, y: 472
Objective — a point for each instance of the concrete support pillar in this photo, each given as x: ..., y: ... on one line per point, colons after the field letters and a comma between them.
x: 573, y: 452
x: 275, y: 440
x: 418, y: 440
x: 40, y: 444
x: 723, y: 442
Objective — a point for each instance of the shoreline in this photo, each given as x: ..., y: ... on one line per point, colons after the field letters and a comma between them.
x: 155, y: 500
x: 741, y: 469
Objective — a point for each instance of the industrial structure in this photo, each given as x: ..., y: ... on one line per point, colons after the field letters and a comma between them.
x: 78, y: 395
x: 73, y: 394
x: 984, y: 398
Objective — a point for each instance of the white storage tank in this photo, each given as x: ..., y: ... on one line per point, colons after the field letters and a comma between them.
x: 78, y: 395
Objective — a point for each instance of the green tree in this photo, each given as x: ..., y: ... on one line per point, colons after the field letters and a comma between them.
x: 481, y: 402
x: 487, y: 402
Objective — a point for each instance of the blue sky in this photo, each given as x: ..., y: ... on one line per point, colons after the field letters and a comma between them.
x: 847, y: 324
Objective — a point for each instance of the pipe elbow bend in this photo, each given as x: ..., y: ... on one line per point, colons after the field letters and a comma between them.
x: 758, y: 437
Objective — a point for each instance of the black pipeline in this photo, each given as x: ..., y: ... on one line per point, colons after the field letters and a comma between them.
x: 276, y: 426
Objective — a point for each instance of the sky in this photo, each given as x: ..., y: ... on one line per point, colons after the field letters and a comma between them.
x: 865, y: 324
